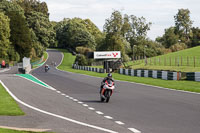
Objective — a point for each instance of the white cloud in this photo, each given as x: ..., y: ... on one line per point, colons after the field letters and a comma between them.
x: 160, y: 12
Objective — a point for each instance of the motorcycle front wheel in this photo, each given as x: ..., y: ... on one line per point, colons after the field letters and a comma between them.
x: 107, y: 95
x: 102, y: 99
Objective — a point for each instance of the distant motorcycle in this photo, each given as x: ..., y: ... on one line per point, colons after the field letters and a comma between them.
x: 47, y: 68
x: 107, y: 91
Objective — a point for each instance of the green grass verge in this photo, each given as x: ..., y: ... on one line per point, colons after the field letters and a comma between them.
x: 44, y: 59
x: 185, y: 61
x: 178, y: 85
x: 8, y: 106
x: 2, y: 130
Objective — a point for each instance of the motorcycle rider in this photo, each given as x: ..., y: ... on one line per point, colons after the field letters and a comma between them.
x: 109, y: 77
x: 46, y: 67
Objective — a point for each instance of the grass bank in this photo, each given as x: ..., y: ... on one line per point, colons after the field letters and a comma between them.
x: 187, y: 60
x: 42, y: 62
x: 8, y: 106
x: 178, y: 85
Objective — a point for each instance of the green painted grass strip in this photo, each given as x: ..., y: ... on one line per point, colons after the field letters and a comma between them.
x: 30, y: 77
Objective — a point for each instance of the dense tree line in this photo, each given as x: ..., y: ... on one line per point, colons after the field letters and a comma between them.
x: 28, y: 29
x: 124, y: 33
x: 25, y: 31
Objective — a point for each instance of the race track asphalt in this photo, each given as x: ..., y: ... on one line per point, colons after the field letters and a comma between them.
x: 146, y: 108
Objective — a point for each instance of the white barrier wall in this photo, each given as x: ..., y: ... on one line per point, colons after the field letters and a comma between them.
x: 174, y: 75
x: 121, y: 70
x: 164, y: 75
x: 126, y: 71
x: 197, y: 76
x: 132, y: 72
x: 139, y: 73
x: 154, y: 74
x: 146, y: 73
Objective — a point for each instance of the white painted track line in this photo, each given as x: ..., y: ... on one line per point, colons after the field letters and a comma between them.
x: 90, y: 108
x: 55, y: 115
x: 58, y: 91
x: 134, y: 130
x: 99, y: 112
x: 119, y: 122
x: 85, y: 105
x: 108, y: 117
x: 75, y: 100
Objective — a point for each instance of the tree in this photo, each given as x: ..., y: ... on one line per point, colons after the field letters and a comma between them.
x: 37, y: 17
x: 169, y: 38
x: 115, y: 31
x: 20, y: 33
x: 4, y: 35
x: 183, y: 24
x: 74, y: 34
x: 195, y: 38
x: 138, y: 32
x: 59, y: 29
x: 33, y: 5
x: 94, y: 30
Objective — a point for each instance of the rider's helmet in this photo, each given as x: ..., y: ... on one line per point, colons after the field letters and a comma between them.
x: 110, y: 76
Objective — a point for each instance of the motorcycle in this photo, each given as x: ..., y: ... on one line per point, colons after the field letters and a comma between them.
x: 107, y: 91
x: 46, y: 68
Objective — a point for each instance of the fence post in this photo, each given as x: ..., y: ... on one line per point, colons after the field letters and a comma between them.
x: 175, y: 61
x: 181, y: 61
x: 159, y: 61
x: 150, y: 61
x: 194, y: 61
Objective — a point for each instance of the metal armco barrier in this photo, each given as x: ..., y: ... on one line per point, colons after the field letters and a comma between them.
x: 166, y: 75
x: 86, y: 68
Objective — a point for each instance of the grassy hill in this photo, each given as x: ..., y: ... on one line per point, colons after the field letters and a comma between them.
x: 186, y: 61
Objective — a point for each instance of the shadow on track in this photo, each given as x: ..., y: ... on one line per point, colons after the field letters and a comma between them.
x: 91, y: 101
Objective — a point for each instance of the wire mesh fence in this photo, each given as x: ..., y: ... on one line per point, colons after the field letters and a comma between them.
x: 190, y: 61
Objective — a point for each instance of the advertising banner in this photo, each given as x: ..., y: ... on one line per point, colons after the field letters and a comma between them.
x: 107, y: 55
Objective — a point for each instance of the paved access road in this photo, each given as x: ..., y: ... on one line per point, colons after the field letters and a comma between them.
x: 145, y: 108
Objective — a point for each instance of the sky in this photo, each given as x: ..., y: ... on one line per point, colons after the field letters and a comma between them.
x: 160, y: 12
